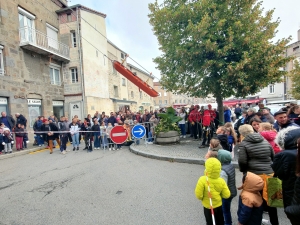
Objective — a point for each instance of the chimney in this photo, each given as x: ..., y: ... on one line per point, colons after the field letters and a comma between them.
x: 299, y: 35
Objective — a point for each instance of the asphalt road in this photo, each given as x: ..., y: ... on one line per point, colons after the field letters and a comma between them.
x: 112, y: 187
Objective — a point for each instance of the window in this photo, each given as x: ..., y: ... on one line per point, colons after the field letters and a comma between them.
x: 74, y: 41
x: 74, y: 75
x: 26, y: 25
x: 165, y: 94
x: 180, y: 101
x: 176, y: 101
x: 132, y: 94
x: 160, y: 101
x: 296, y: 48
x: 52, y: 36
x: 1, y: 61
x: 123, y: 55
x: 69, y: 17
x: 55, y: 75
x: 184, y: 101
x: 271, y: 89
x: 116, y: 92
x: 123, y: 82
x: 166, y: 101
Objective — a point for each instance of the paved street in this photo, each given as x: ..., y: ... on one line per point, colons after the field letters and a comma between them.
x: 112, y: 187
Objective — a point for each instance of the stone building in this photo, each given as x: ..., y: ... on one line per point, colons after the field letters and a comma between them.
x: 32, y: 57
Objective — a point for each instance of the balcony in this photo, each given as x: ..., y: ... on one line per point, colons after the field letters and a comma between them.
x: 42, y: 44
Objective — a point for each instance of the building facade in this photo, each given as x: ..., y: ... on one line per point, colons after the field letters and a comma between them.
x: 32, y: 56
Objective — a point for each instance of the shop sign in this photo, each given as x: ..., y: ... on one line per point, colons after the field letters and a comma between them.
x: 34, y: 101
x: 3, y: 101
x: 57, y: 103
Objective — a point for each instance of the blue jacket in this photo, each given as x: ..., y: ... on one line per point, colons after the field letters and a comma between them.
x: 227, y: 116
x: 288, y: 124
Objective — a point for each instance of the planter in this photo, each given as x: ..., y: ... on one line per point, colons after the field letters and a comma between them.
x: 167, y: 137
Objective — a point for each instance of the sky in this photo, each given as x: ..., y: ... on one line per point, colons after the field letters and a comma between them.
x: 128, y: 27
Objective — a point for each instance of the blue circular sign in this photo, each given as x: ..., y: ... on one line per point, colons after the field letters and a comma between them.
x: 138, y: 131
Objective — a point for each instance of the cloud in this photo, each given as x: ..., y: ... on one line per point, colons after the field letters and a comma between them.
x: 128, y: 27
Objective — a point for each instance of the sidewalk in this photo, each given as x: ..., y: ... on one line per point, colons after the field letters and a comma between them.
x: 186, y: 151
x: 15, y: 153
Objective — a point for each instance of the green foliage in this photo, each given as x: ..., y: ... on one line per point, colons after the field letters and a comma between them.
x: 295, y: 76
x: 217, y: 47
x: 168, y: 121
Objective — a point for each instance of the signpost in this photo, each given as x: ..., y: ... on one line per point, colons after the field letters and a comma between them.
x: 138, y: 131
x: 118, y: 134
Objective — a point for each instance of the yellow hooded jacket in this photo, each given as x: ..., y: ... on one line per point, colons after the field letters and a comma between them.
x: 218, y: 186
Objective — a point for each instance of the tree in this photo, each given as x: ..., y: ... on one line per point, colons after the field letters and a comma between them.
x: 295, y: 76
x: 219, y: 47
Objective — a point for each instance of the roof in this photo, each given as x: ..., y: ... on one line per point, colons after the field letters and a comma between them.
x: 70, y: 8
x: 109, y: 42
x: 142, y: 71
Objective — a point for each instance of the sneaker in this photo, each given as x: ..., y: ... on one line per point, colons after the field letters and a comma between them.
x: 180, y: 136
x: 77, y: 148
x: 113, y: 149
x: 149, y: 143
x: 40, y: 145
x: 10, y: 152
x: 184, y: 136
x: 85, y: 148
x: 265, y: 222
x: 67, y: 150
x: 109, y: 149
x: 63, y: 152
x: 74, y: 149
x: 201, y: 146
x: 6, y: 152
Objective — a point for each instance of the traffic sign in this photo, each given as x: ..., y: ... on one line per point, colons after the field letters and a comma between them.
x: 118, y: 134
x: 138, y: 131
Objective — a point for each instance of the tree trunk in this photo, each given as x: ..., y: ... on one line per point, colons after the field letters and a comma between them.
x: 220, y: 109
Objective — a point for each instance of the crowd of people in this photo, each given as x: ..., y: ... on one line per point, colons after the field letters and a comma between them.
x: 268, y: 146
x: 93, y: 130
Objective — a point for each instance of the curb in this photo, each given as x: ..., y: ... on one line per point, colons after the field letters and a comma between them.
x: 199, y: 161
x: 23, y: 152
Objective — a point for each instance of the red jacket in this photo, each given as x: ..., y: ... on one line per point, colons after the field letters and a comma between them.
x: 195, y: 116
x: 270, y: 137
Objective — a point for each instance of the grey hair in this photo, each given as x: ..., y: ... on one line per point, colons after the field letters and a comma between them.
x: 280, y: 137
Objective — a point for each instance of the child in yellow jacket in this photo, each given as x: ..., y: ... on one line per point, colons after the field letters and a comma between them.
x: 218, y: 190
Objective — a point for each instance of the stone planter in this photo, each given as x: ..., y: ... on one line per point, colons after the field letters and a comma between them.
x: 167, y: 137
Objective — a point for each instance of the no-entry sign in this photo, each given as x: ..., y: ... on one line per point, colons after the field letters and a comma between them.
x: 118, y: 135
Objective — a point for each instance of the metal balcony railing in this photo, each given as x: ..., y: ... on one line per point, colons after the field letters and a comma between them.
x: 33, y: 37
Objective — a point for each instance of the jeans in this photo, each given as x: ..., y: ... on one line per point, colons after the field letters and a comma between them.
x: 96, y: 141
x: 182, y: 129
x: 226, y: 203
x: 150, y: 138
x: 197, y: 130
x: 39, y: 139
x: 75, y: 140
x: 206, y: 136
x: 63, y: 142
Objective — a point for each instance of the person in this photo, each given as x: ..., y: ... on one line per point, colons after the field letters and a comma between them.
x: 266, y: 130
x: 49, y: 130
x: 8, y: 121
x: 238, y: 111
x: 153, y: 123
x: 112, y: 119
x: 207, y: 129
x: 293, y: 211
x: 7, y: 140
x: 181, y: 123
x: 195, y: 120
x: 221, y: 135
x: 231, y: 136
x: 254, y: 122
x: 2, y: 126
x: 20, y: 119
x: 256, y: 155
x: 216, y: 120
x: 111, y: 145
x: 74, y: 131
x: 284, y: 164
x: 37, y: 129
x: 25, y: 137
x: 228, y: 174
x: 63, y: 135
x: 239, y: 123
x: 282, y: 120
x: 250, y: 207
x: 294, y: 114
x: 96, y: 133
x: 19, y: 132
x: 267, y: 115
x: 214, y: 147
x: 103, y: 135
x: 250, y: 114
x: 227, y: 114
x: 68, y: 126
x: 218, y: 191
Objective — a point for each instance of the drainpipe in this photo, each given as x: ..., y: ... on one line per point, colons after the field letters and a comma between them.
x: 81, y: 63
x: 285, y: 81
